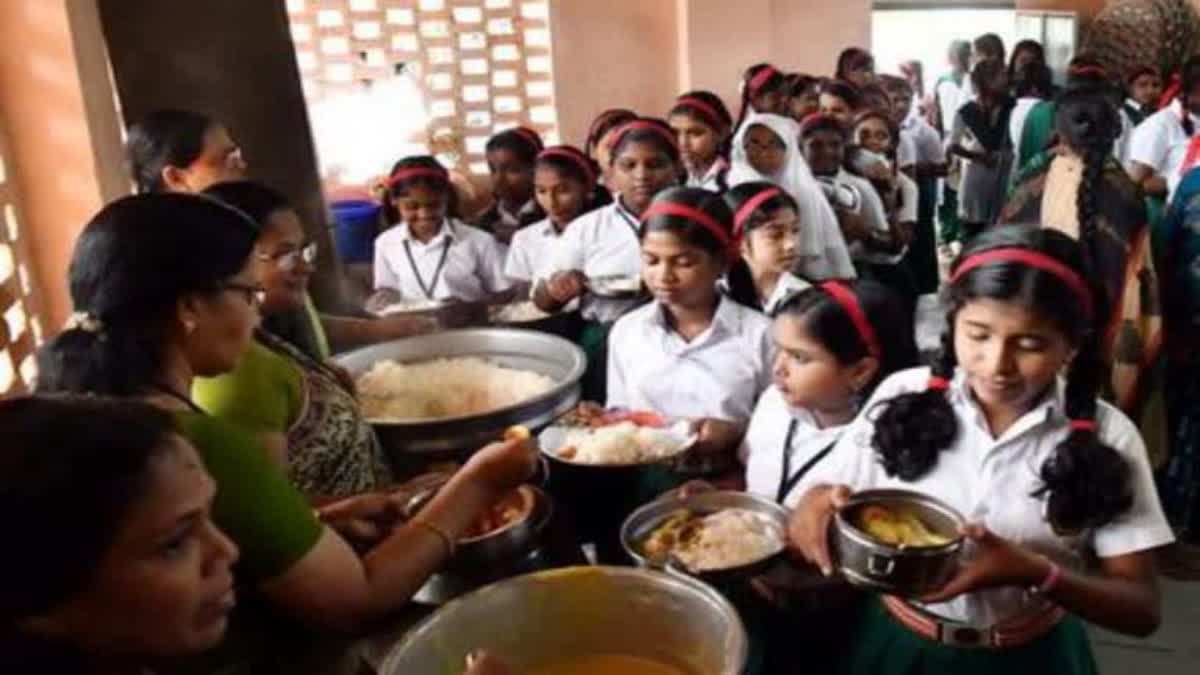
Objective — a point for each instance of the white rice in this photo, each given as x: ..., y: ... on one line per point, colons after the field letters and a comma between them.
x: 730, y: 538
x: 518, y: 312
x: 624, y: 443
x: 448, y: 387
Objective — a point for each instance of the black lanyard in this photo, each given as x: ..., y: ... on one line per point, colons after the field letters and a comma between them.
x: 633, y: 226
x: 787, y: 480
x: 437, y: 273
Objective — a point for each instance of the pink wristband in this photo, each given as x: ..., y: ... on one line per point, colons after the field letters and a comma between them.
x: 1051, y: 581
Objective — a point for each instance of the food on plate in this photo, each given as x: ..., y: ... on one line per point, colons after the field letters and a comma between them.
x: 622, y: 443
x: 517, y: 433
x: 715, y: 541
x: 898, y: 527
x: 446, y: 387
x: 410, y: 305
x: 517, y: 312
x: 514, y: 507
x: 592, y: 415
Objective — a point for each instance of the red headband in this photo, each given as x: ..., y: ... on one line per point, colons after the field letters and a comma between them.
x: 1097, y: 71
x: 704, y: 107
x: 746, y: 210
x: 603, y: 119
x: 1035, y: 260
x: 574, y: 156
x: 529, y: 135
x: 407, y: 173
x: 696, y: 216
x: 644, y: 124
x: 760, y: 79
x: 846, y: 299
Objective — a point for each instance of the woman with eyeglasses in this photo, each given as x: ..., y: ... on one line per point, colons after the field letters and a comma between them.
x: 164, y: 289
x: 304, y: 409
x: 189, y: 152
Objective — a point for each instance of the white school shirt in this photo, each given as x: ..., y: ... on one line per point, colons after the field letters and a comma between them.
x: 531, y: 251
x: 763, y: 448
x: 990, y: 481
x: 1016, y: 120
x: 910, y: 197
x: 926, y: 139
x: 603, y: 242
x: 1161, y: 143
x: 787, y: 285
x: 906, y: 151
x: 472, y: 270
x: 875, y: 216
x: 711, y: 180
x: 719, y: 374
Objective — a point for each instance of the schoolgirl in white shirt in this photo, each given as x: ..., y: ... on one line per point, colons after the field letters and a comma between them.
x: 429, y: 254
x: 510, y: 158
x: 703, y: 128
x: 1055, y: 483
x: 691, y: 352
x: 766, y: 225
x: 833, y: 344
x: 565, y: 187
x: 1158, y: 150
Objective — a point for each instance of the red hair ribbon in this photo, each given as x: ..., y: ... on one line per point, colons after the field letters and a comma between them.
x: 849, y: 303
x: 938, y: 383
x: 529, y: 135
x: 575, y: 156
x: 1035, y: 260
x: 1174, y: 88
x: 410, y: 172
x: 1092, y: 70
x: 760, y: 79
x: 1084, y: 425
x: 709, y: 111
x: 746, y: 210
x: 669, y: 136
x: 1192, y: 155
x: 696, y: 216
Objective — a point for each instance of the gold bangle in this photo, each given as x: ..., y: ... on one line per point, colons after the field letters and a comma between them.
x: 441, y: 534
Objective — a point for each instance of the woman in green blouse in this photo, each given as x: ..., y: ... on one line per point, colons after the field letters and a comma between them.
x: 164, y: 291
x: 304, y: 409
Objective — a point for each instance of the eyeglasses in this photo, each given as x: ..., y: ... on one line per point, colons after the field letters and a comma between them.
x: 289, y: 261
x: 254, y: 296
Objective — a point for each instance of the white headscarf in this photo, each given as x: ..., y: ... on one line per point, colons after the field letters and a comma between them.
x: 825, y: 255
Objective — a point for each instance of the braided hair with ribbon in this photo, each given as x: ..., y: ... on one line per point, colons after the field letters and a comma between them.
x: 1085, y: 483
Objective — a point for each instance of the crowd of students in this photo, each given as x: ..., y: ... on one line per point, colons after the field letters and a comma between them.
x: 781, y: 255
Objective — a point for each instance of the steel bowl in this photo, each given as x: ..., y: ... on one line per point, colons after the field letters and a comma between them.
x: 539, y: 619
x: 548, y: 355
x: 480, y: 555
x: 910, y: 571
x: 642, y: 522
x: 563, y: 324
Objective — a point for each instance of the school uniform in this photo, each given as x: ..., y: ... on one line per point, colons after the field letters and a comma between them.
x: 713, y: 180
x: 460, y: 263
x: 922, y: 252
x: 983, y: 189
x: 600, y: 243
x: 783, y: 444
x: 906, y: 151
x: 531, y: 251
x: 1161, y: 143
x: 787, y: 285
x: 719, y: 374
x: 1016, y: 123
x: 874, y: 214
x: 991, y: 481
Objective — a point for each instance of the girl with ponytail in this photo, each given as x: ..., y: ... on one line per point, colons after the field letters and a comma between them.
x: 1049, y: 476
x: 1084, y: 193
x: 766, y: 226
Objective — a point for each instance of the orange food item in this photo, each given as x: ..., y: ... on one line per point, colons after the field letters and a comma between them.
x: 568, y: 452
x: 514, y: 507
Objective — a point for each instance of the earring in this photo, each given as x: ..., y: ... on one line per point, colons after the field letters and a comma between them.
x: 189, y: 326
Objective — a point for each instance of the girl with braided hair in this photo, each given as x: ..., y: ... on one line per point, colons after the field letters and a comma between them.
x: 1084, y: 193
x: 1055, y: 483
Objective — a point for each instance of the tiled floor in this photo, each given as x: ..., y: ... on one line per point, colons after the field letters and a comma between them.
x: 1174, y: 650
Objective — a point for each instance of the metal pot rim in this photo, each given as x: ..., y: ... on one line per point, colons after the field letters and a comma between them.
x: 577, y: 367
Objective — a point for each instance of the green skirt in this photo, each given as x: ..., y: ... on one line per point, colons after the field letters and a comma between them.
x: 593, y: 339
x: 884, y: 647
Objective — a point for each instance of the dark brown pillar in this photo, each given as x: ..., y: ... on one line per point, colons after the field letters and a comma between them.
x: 233, y: 60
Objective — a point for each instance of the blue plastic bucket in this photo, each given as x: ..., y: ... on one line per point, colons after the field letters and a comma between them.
x: 355, y: 228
